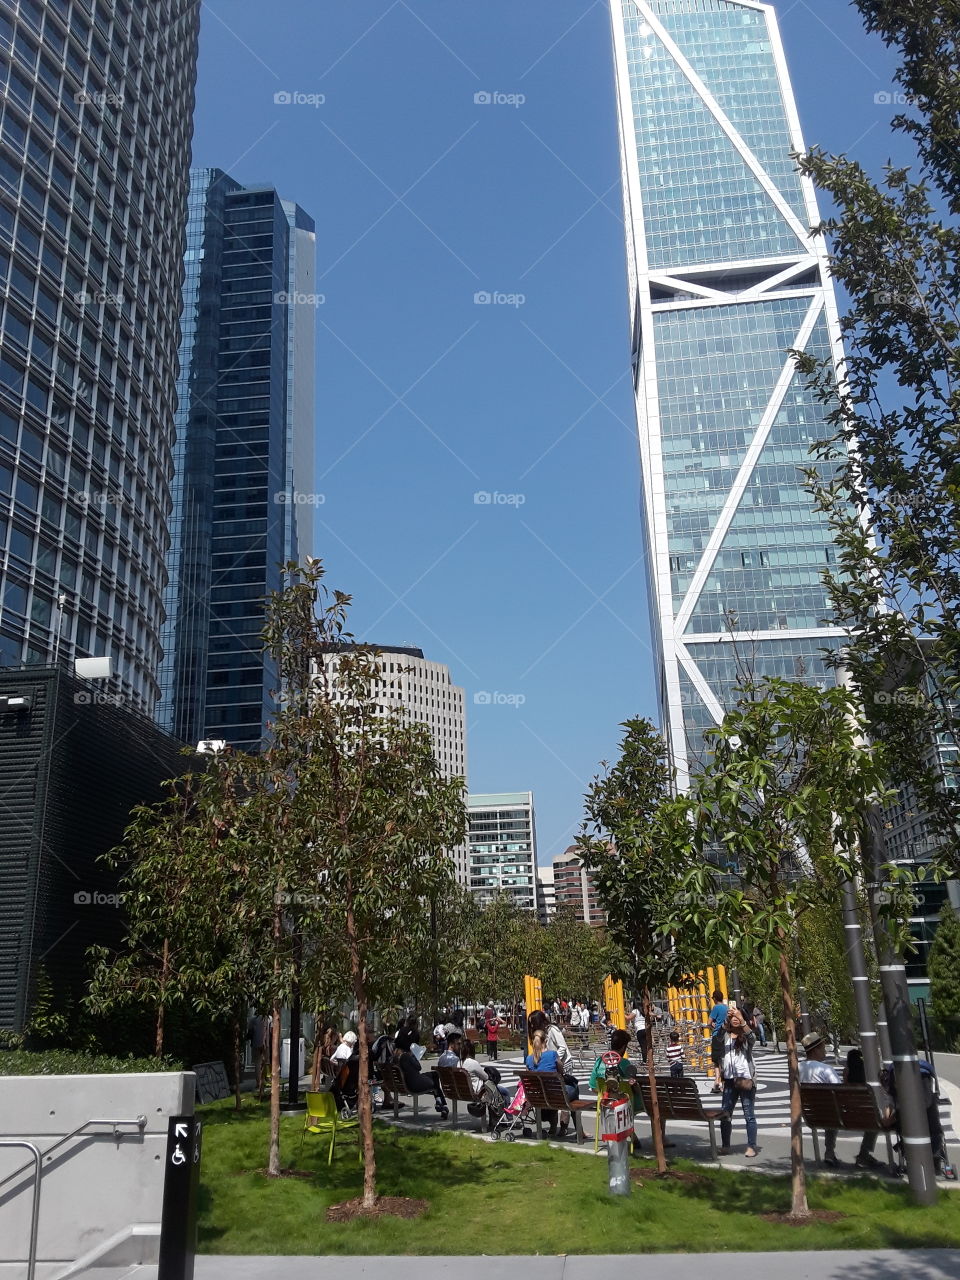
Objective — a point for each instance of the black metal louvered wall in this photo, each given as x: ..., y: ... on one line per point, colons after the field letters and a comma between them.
x: 71, y: 769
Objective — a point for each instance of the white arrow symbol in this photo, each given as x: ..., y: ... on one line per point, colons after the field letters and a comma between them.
x: 180, y: 1131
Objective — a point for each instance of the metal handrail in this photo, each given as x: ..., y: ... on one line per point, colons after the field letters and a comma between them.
x: 140, y: 1122
x: 35, y: 1213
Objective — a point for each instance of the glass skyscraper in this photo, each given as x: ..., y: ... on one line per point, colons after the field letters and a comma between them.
x: 96, y: 103
x: 243, y: 459
x: 724, y: 279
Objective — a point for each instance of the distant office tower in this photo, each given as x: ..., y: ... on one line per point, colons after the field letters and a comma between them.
x: 427, y: 695
x: 546, y: 894
x: 96, y: 106
x: 574, y: 888
x: 724, y: 279
x: 503, y: 847
x: 242, y: 500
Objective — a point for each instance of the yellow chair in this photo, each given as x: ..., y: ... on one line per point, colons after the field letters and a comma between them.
x: 322, y: 1117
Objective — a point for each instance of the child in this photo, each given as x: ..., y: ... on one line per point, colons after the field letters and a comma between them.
x: 675, y: 1055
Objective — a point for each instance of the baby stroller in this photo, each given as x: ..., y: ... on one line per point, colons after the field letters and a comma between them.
x: 938, y: 1142
x: 516, y: 1114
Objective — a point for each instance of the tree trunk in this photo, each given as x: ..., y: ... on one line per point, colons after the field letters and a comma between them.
x: 237, y: 1055
x: 164, y: 972
x: 655, y: 1125
x: 364, y: 1100
x: 273, y: 1164
x: 798, y: 1174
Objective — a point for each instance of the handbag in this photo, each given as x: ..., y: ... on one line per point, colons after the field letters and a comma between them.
x: 744, y: 1083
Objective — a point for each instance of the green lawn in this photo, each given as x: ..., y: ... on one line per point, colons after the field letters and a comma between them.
x: 503, y: 1199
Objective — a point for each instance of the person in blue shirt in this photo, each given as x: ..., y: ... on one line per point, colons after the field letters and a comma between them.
x: 718, y: 1019
x: 540, y: 1058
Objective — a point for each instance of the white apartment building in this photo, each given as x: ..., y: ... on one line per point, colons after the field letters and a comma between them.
x: 503, y: 847
x: 428, y: 696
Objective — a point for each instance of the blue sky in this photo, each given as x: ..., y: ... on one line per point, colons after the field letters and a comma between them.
x: 423, y: 199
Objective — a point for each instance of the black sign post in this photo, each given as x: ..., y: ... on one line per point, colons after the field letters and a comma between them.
x: 181, y: 1183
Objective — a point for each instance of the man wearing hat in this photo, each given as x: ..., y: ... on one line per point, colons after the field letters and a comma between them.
x: 816, y: 1070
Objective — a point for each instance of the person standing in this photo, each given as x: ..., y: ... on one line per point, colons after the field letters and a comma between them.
x: 492, y: 1023
x: 759, y: 1024
x: 675, y: 1055
x: 258, y: 1033
x: 718, y: 1021
x: 639, y: 1024
x: 739, y: 1081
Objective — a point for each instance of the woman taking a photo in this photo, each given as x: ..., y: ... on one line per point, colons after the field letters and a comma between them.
x: 738, y: 1075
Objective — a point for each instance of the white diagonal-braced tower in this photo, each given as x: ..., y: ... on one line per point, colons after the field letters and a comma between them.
x: 725, y: 278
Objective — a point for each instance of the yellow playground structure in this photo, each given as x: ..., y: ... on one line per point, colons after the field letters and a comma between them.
x: 689, y: 1006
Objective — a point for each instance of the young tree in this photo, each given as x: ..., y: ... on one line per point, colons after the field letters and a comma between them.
x: 575, y: 957
x: 944, y: 969
x: 355, y: 791
x: 639, y: 855
x: 776, y: 817
x: 894, y: 501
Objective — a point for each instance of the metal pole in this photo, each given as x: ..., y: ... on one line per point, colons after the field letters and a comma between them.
x: 857, y: 962
x: 37, y: 1161
x: 293, y: 1066
x: 911, y: 1107
x: 805, y: 1024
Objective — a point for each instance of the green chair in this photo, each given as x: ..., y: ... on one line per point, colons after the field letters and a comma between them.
x: 322, y: 1117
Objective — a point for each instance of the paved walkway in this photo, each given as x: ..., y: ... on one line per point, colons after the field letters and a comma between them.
x: 692, y: 1141
x: 932, y: 1264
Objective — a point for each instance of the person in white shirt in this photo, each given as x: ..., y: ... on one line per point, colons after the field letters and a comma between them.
x: 639, y: 1024
x: 816, y: 1070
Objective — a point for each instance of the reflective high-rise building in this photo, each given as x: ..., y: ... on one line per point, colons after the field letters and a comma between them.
x: 243, y: 461
x: 725, y: 279
x: 96, y: 103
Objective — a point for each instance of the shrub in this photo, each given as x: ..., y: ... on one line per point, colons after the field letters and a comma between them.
x: 65, y: 1062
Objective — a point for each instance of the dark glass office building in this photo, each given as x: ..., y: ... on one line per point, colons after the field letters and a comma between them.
x: 243, y: 459
x: 96, y: 103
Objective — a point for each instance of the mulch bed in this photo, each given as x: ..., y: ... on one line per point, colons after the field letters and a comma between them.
x: 671, y: 1175
x: 284, y: 1173
x: 815, y: 1215
x: 386, y: 1206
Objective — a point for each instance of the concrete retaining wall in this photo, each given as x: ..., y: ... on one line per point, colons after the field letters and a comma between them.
x: 99, y: 1186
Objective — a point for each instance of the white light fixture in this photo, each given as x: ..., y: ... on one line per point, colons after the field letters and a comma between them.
x: 211, y: 746
x: 93, y: 668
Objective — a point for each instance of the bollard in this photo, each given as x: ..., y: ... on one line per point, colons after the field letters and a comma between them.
x: 616, y: 1120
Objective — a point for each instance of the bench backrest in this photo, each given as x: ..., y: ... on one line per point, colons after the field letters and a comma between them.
x: 841, y: 1106
x: 456, y: 1084
x: 545, y: 1089
x: 677, y: 1097
x: 393, y: 1079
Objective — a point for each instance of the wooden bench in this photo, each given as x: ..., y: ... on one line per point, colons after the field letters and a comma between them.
x: 546, y: 1091
x: 457, y: 1086
x: 844, y: 1107
x: 392, y: 1078
x: 678, y: 1098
